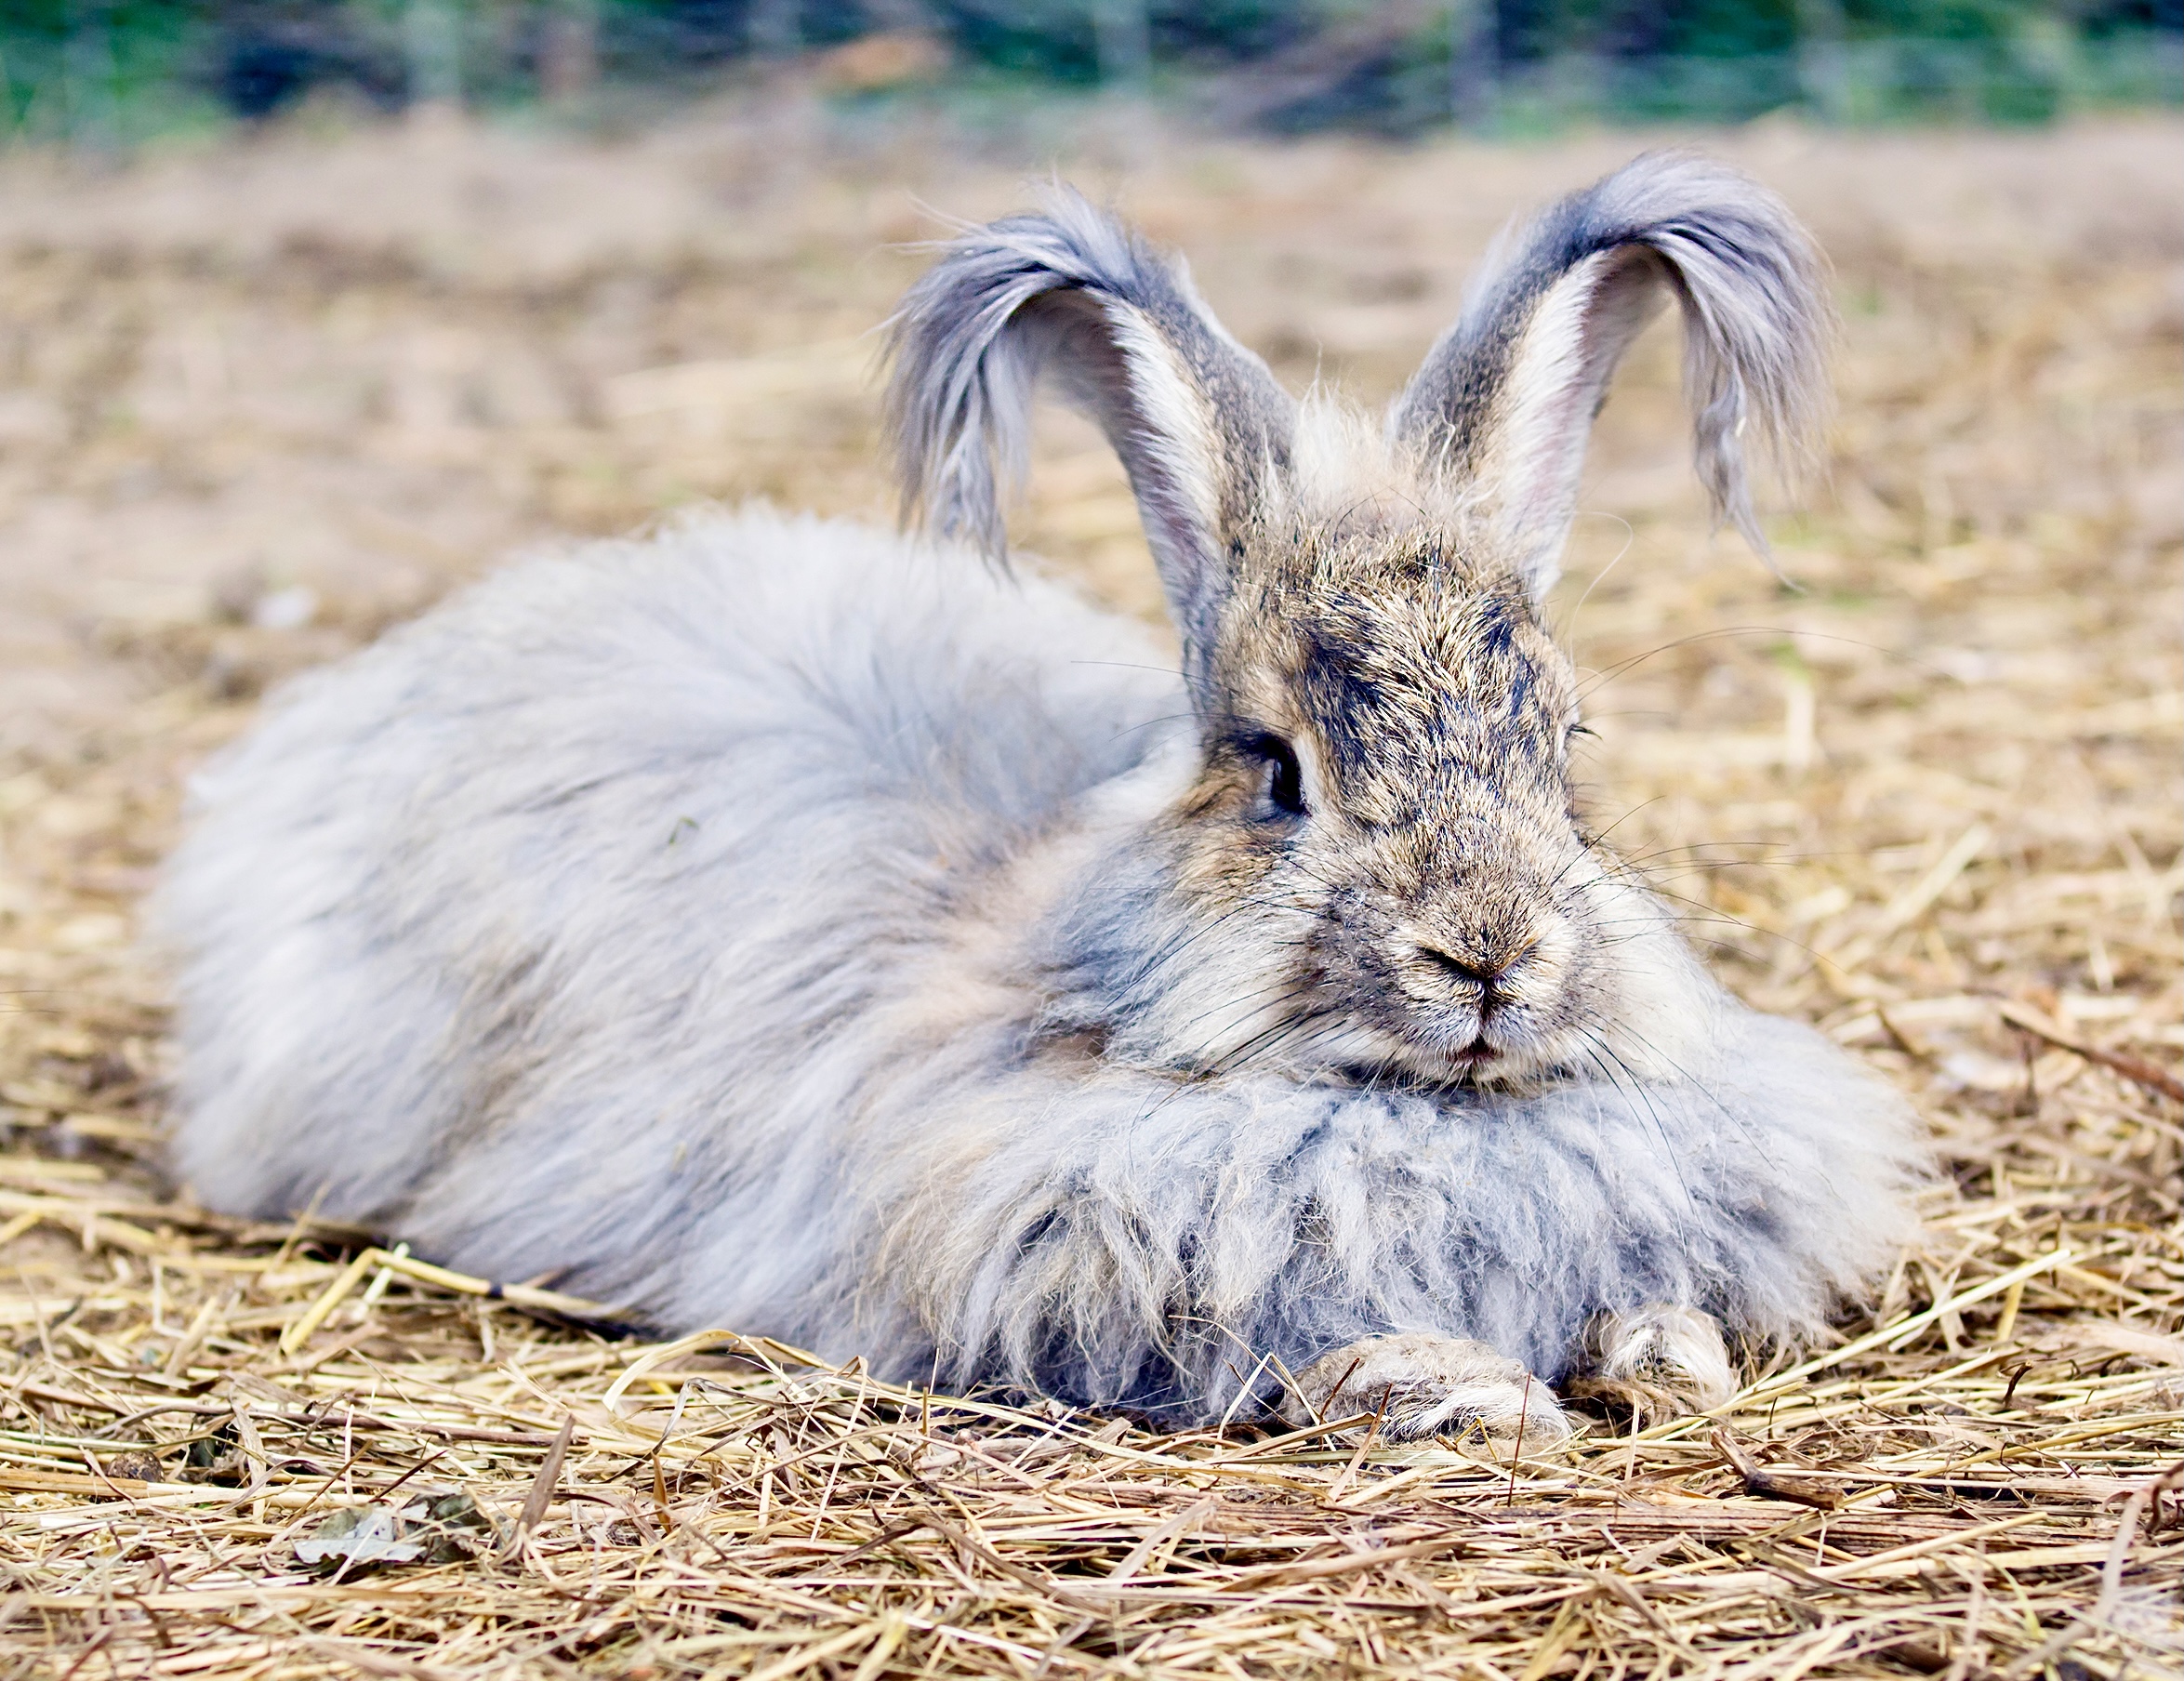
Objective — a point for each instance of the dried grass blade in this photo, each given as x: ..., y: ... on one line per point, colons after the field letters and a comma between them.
x: 2134, y: 1068
x: 541, y: 1495
x: 305, y: 1325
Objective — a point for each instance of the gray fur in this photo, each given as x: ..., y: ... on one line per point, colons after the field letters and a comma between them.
x: 1059, y: 294
x: 770, y: 925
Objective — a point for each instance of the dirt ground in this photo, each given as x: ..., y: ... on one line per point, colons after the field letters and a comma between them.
x: 259, y: 401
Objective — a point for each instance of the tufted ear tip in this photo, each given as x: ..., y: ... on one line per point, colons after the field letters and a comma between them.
x: 1073, y: 294
x: 1505, y: 403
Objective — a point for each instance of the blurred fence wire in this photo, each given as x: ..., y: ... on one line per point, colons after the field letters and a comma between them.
x: 113, y: 72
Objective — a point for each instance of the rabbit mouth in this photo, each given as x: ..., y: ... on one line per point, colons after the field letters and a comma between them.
x: 1478, y: 1064
x: 1479, y: 1061
x: 1475, y: 1055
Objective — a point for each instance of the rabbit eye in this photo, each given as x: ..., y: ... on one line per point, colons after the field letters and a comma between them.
x: 1285, y: 776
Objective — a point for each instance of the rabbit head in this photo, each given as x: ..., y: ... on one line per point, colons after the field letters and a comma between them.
x: 1376, y: 867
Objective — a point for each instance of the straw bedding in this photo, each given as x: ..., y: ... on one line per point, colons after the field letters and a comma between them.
x: 254, y: 405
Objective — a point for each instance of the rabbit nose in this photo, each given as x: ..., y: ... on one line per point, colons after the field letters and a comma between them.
x: 1484, y: 974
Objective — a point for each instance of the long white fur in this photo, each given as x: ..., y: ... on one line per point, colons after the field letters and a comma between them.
x: 669, y: 918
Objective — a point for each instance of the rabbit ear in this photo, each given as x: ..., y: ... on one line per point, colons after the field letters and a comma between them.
x: 1503, y: 407
x: 1197, y: 419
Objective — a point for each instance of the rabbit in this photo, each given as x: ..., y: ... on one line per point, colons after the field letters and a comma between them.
x: 788, y: 925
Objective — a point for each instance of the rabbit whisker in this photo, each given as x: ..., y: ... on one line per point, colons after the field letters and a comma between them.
x: 1633, y: 1088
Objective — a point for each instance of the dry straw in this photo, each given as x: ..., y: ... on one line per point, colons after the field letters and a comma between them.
x: 1931, y: 803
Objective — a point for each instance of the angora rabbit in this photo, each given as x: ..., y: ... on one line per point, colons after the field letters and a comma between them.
x: 781, y: 925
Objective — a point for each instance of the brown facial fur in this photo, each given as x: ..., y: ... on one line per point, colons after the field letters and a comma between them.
x: 1433, y: 904
x: 1375, y: 872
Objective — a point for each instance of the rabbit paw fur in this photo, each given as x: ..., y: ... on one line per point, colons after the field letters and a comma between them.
x: 1416, y: 1385
x: 777, y: 925
x: 1664, y: 1347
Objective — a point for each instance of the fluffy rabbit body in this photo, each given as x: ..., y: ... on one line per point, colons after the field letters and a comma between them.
x: 778, y: 925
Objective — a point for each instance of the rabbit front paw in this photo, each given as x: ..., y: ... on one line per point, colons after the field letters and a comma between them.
x: 1419, y: 1385
x: 1666, y: 1353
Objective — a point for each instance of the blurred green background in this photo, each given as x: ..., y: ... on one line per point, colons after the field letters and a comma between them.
x: 118, y: 72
